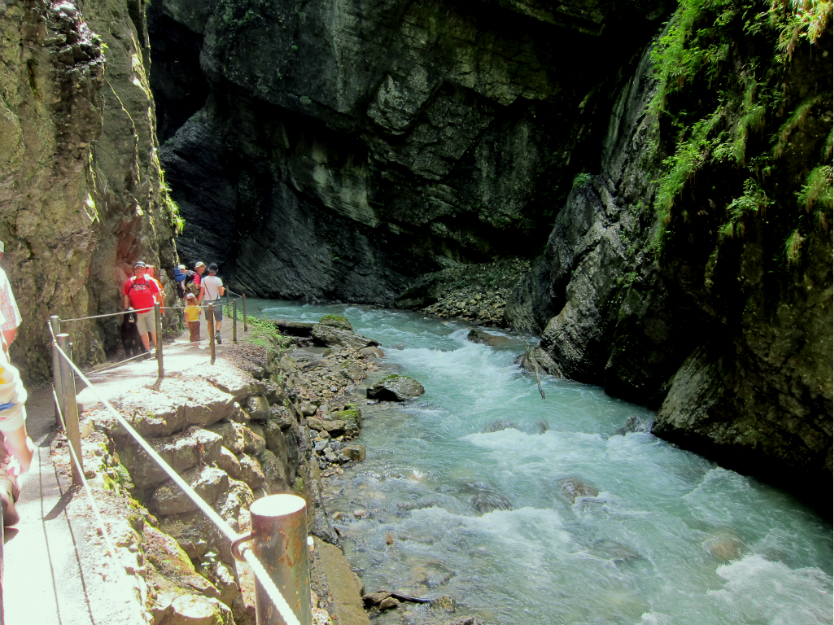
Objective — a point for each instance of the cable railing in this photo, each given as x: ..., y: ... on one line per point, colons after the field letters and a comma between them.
x: 284, y: 515
x: 230, y: 306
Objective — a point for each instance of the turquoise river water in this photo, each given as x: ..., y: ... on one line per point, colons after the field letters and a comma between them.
x: 671, y: 538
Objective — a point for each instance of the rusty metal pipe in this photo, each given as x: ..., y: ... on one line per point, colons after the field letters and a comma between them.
x: 279, y: 528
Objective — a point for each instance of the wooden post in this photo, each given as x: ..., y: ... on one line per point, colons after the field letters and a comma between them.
x: 157, y: 320
x: 55, y: 322
x: 210, y: 325
x: 70, y: 407
x: 245, y: 320
x: 234, y: 321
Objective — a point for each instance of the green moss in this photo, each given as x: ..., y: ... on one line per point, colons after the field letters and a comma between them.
x: 354, y: 416
x: 580, y: 180
x: 726, y: 113
x: 336, y: 321
x: 796, y: 120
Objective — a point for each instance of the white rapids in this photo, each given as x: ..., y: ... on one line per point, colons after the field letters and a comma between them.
x: 654, y: 535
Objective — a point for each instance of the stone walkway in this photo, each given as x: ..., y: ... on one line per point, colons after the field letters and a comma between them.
x: 52, y: 575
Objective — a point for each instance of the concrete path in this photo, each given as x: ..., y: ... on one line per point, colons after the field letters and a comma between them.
x: 55, y: 570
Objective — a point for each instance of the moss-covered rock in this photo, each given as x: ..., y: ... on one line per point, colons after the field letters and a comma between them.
x: 396, y: 388
x: 337, y: 321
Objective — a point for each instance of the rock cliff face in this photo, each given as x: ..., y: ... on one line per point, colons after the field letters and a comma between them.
x: 337, y: 150
x: 80, y: 183
x: 708, y: 314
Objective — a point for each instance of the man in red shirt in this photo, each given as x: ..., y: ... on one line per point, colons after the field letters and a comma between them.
x: 140, y: 294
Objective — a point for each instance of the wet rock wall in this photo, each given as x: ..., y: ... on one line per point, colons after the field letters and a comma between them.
x: 338, y: 151
x: 81, y: 194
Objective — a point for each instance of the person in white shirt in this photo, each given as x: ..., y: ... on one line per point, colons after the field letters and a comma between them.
x: 8, y: 306
x: 211, y: 290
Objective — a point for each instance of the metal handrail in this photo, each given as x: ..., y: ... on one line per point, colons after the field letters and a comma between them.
x: 115, y: 314
x: 260, y: 572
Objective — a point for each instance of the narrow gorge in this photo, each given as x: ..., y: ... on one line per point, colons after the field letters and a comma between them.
x: 645, y: 186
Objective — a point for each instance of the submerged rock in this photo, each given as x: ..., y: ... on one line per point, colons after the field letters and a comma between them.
x: 634, y: 424
x: 573, y: 488
x: 497, y: 426
x: 541, y: 427
x: 725, y: 545
x: 396, y: 388
x: 466, y: 620
x: 484, y: 502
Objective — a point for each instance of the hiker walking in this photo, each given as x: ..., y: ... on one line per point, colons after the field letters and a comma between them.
x: 211, y: 290
x: 140, y: 294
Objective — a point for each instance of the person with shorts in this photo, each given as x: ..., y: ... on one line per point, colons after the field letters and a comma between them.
x: 211, y: 290
x: 140, y: 294
x: 17, y: 449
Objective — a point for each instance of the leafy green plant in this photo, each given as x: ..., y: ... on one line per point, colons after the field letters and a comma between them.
x: 752, y: 200
x: 581, y: 179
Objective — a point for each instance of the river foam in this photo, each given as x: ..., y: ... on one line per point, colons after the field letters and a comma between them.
x: 603, y: 528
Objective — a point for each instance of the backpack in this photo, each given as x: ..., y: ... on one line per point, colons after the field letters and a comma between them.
x: 190, y: 287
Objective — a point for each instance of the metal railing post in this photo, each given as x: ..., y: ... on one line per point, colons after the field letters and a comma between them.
x: 234, y: 320
x: 279, y: 529
x: 210, y: 326
x: 70, y: 407
x: 157, y: 320
x: 245, y: 321
x: 55, y: 322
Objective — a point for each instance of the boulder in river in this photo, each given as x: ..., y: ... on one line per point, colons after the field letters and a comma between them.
x: 331, y: 336
x: 337, y: 321
x: 487, y: 501
x: 634, y: 424
x: 573, y: 488
x: 396, y: 388
x: 479, y: 336
x: 725, y: 545
x: 497, y: 426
